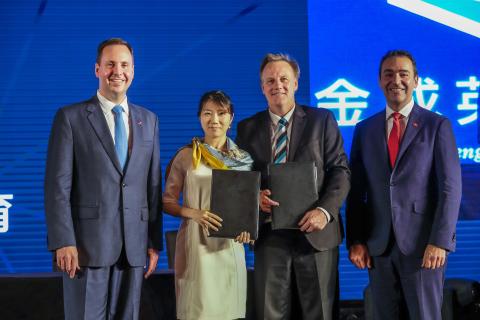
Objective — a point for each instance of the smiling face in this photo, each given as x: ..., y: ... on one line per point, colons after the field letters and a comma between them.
x: 279, y: 85
x: 398, y: 80
x: 115, y: 72
x: 215, y: 120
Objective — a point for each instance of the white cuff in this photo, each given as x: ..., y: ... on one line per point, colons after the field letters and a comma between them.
x: 327, y: 215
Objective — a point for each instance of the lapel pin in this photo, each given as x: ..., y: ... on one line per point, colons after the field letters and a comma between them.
x: 415, y: 124
x: 140, y: 123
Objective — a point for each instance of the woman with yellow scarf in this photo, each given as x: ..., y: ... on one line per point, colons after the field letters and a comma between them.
x: 210, y: 273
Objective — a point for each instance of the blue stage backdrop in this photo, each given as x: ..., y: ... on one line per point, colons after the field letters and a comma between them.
x: 183, y: 48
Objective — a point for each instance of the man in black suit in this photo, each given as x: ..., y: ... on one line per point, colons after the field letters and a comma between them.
x: 303, y: 260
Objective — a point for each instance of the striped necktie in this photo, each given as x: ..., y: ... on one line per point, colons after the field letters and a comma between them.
x: 121, y: 139
x: 280, y: 142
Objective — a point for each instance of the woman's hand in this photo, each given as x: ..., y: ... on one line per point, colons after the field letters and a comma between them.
x: 207, y: 220
x: 244, y: 237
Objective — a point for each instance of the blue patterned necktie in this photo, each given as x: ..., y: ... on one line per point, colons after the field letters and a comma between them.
x: 121, y: 139
x: 281, y: 142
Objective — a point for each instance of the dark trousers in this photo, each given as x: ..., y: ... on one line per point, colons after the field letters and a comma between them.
x: 286, y: 264
x: 103, y: 292
x: 397, y: 280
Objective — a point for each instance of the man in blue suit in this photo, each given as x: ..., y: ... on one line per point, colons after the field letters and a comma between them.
x: 405, y: 197
x: 102, y: 189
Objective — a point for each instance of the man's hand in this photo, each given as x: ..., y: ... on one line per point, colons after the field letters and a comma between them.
x: 359, y: 256
x: 152, y: 261
x: 265, y: 202
x: 434, y: 257
x: 313, y: 220
x: 67, y: 260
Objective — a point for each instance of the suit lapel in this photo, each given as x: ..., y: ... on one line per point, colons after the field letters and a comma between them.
x: 264, y: 142
x: 99, y: 124
x: 298, y: 125
x: 136, y: 133
x: 377, y: 136
x: 413, y: 126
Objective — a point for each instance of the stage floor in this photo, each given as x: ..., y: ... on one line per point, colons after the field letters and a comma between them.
x: 39, y: 296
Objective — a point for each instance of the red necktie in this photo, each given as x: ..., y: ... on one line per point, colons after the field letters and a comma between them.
x: 394, y: 138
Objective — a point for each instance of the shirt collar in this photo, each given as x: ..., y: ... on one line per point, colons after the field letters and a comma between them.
x: 405, y: 111
x: 275, y: 118
x: 108, y: 105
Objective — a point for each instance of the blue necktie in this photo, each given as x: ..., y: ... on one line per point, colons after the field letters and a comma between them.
x: 280, y: 147
x: 121, y: 139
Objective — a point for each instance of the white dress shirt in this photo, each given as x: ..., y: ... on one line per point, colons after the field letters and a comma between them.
x: 405, y: 112
x: 107, y: 107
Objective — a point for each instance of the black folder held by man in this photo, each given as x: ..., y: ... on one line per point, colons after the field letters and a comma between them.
x: 234, y: 198
x: 294, y: 187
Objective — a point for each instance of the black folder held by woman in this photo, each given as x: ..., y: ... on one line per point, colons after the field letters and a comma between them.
x: 234, y: 198
x: 294, y: 187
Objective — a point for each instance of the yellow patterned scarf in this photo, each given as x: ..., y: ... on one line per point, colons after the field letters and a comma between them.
x: 200, y: 152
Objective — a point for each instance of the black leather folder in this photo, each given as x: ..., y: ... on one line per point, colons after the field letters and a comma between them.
x: 294, y: 186
x: 234, y: 198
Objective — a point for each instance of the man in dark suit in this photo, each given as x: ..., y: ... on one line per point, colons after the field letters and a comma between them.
x: 102, y: 189
x: 303, y: 260
x: 405, y: 197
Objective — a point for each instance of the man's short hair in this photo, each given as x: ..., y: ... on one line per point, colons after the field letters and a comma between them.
x: 111, y: 42
x: 273, y: 57
x: 398, y: 53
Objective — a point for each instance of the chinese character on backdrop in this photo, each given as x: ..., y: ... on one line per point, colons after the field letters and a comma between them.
x: 340, y: 95
x: 424, y: 86
x: 469, y: 99
x: 4, y: 206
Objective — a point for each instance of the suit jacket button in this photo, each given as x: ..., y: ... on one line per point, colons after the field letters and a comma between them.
x: 124, y: 185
